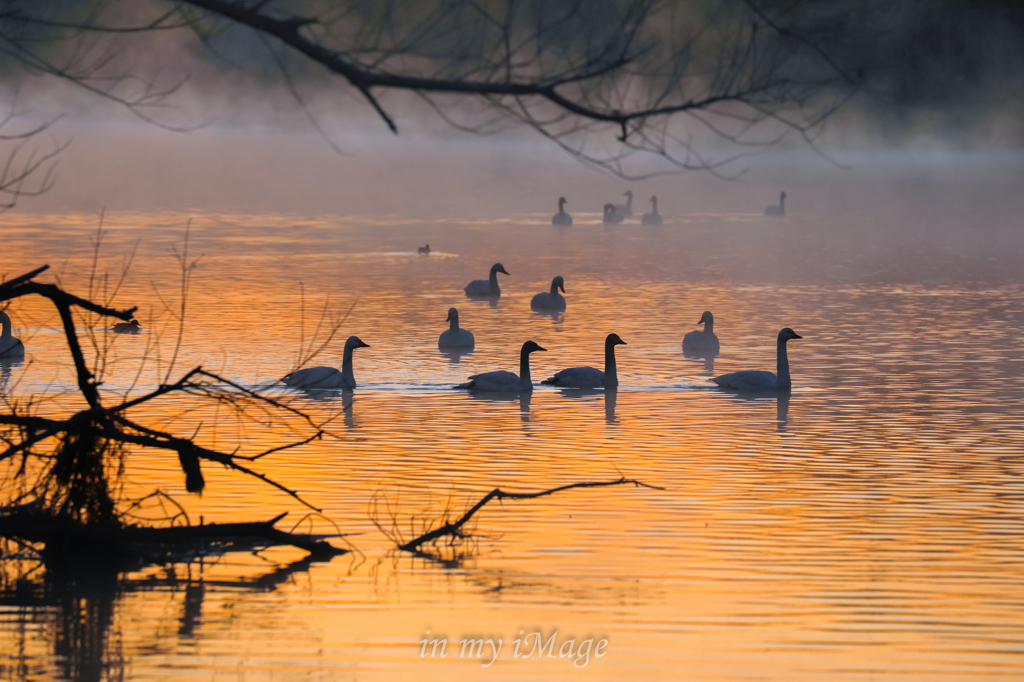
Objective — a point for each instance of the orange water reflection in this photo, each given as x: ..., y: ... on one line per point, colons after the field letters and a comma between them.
x: 867, y: 527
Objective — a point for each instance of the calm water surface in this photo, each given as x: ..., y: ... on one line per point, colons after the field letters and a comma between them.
x: 866, y: 527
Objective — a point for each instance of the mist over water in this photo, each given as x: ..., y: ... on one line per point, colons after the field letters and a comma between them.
x: 867, y: 525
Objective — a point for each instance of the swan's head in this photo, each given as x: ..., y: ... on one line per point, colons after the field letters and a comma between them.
x: 608, y: 208
x: 628, y: 193
x: 654, y: 199
x: 453, y: 314
x: 561, y: 200
x: 5, y: 318
x: 613, y: 340
x: 558, y: 282
x: 707, y: 317
x: 355, y: 342
x: 782, y: 197
x: 787, y: 334
x: 498, y: 267
x: 530, y: 346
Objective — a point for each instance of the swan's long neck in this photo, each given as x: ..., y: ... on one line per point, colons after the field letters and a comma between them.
x: 655, y: 202
x: 494, y: 282
x: 611, y: 375
x: 782, y: 368
x: 346, y: 366
x: 554, y: 290
x: 561, y: 208
x: 629, y: 202
x: 525, y: 382
x: 454, y: 326
x: 709, y: 326
x: 782, y: 203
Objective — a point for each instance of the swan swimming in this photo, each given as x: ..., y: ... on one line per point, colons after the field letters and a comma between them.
x: 506, y: 382
x: 487, y: 287
x: 589, y: 377
x: 697, y: 342
x: 10, y: 346
x: 611, y: 216
x: 132, y: 327
x: 652, y: 218
x: 757, y: 380
x: 425, y: 250
x: 455, y: 337
x: 550, y: 300
x: 777, y: 210
x: 561, y: 218
x: 626, y: 209
x: 313, y: 378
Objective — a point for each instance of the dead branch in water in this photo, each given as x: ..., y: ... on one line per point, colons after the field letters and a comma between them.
x: 454, y: 529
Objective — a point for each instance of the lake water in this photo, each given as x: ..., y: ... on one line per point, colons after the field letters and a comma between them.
x: 869, y: 526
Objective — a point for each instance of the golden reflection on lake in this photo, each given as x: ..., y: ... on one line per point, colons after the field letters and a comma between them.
x: 866, y: 527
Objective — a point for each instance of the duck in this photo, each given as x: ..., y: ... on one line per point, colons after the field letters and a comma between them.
x: 313, y: 378
x: 487, y: 287
x: 425, y: 250
x: 455, y: 337
x: 589, y: 377
x: 132, y: 327
x: 699, y: 342
x: 757, y: 380
x: 611, y: 216
x: 550, y: 300
x: 652, y: 218
x: 561, y: 218
x: 506, y: 382
x: 777, y: 210
x: 626, y: 209
x: 11, y: 348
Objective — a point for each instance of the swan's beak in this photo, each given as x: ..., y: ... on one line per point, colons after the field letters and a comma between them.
x: 504, y: 271
x: 363, y: 345
x: 562, y: 287
x: 539, y: 348
x: 449, y: 318
x: 621, y: 343
x: 797, y: 336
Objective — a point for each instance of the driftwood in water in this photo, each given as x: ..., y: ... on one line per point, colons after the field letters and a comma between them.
x: 454, y: 529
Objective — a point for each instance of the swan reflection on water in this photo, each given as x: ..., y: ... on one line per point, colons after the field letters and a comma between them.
x: 781, y: 398
x: 610, y: 397
x: 454, y: 355
x: 332, y: 395
x: 524, y: 399
x: 708, y: 359
x: 6, y: 364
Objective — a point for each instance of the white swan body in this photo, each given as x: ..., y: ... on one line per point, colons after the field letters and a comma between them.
x: 652, y: 218
x: 550, y: 300
x: 561, y: 218
x: 626, y: 209
x: 590, y: 377
x: 697, y: 342
x: 757, y: 380
x: 132, y: 327
x: 777, y: 210
x: 611, y: 215
x: 487, y: 287
x: 11, y: 347
x: 313, y: 378
x: 506, y: 382
x: 455, y: 337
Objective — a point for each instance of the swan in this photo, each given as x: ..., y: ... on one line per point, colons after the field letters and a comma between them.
x: 611, y: 216
x: 552, y: 300
x: 757, y: 380
x: 327, y: 377
x: 626, y: 209
x: 777, y: 210
x: 455, y: 337
x: 561, y: 218
x: 506, y: 382
x: 697, y: 342
x: 652, y: 218
x: 10, y: 346
x: 425, y: 250
x: 588, y: 377
x: 132, y: 327
x: 487, y: 287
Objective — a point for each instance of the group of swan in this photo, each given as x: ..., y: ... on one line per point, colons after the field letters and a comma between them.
x: 613, y: 213
x: 488, y: 288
